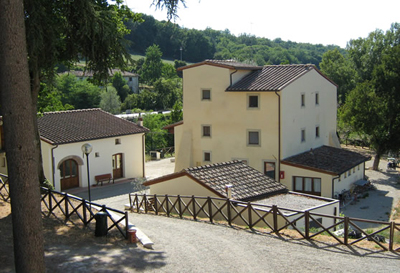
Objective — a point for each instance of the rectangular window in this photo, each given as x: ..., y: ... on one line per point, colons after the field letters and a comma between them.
x: 317, y: 98
x: 303, y: 100
x: 206, y: 131
x: 349, y: 173
x: 207, y: 156
x: 308, y: 185
x: 317, y: 132
x: 97, y: 154
x: 206, y: 94
x: 303, y: 135
x: 252, y: 101
x: 253, y: 138
x: 117, y: 141
x: 130, y: 79
x: 269, y: 169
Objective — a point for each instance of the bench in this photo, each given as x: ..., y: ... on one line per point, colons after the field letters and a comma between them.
x: 103, y: 177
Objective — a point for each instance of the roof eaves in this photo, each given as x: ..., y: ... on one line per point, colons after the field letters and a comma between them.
x: 308, y: 168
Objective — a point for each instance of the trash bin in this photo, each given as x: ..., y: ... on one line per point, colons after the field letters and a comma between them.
x: 132, y: 236
x: 101, y: 224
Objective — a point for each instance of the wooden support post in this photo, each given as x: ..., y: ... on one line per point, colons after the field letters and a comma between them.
x: 137, y: 203
x: 391, y: 236
x: 145, y: 203
x: 210, y: 208
x: 249, y: 210
x: 194, y: 208
x: 84, y: 212
x: 179, y: 206
x: 167, y: 204
x: 228, y: 208
x: 275, y: 215
x: 126, y: 225
x: 307, y: 224
x: 156, y: 203
x: 346, y: 230
x: 66, y: 206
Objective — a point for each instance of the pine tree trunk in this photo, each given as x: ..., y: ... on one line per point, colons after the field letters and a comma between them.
x: 377, y: 158
x: 19, y: 132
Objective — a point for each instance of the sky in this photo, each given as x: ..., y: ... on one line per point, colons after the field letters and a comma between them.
x: 308, y: 21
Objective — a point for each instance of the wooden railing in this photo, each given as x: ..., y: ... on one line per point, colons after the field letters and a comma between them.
x: 264, y: 218
x: 4, y: 194
x: 85, y: 211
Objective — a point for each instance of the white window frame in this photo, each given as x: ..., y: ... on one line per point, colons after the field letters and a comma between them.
x: 248, y: 138
x: 248, y: 101
x: 202, y: 94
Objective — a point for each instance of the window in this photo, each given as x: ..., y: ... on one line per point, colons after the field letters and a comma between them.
x: 206, y: 131
x: 349, y: 173
x: 317, y: 98
x: 358, y: 167
x: 253, y: 138
x: 317, y: 132
x: 354, y: 170
x: 303, y: 135
x: 207, y: 156
x: 252, y: 101
x: 269, y: 169
x: 345, y: 174
x: 97, y: 154
x: 117, y: 141
x: 303, y: 100
x: 130, y: 79
x: 206, y: 94
x: 307, y: 185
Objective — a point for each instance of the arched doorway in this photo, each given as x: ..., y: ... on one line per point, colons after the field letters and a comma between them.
x: 69, y: 174
x: 117, y: 166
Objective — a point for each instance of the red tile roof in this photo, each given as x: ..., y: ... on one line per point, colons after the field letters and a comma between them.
x: 326, y: 159
x: 273, y: 77
x: 230, y: 64
x: 83, y: 125
x: 247, y: 183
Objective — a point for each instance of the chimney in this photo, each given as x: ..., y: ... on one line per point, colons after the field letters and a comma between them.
x: 228, y: 189
x: 140, y: 121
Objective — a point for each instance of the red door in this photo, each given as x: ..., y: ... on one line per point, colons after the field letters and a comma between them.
x: 117, y: 166
x: 69, y: 174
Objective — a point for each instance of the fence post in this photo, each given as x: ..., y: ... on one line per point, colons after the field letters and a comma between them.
x: 194, y: 208
x: 346, y: 230
x: 391, y: 236
x: 66, y: 206
x: 167, y: 204
x: 145, y: 203
x: 275, y: 215
x: 307, y: 223
x: 50, y: 202
x: 84, y: 211
x: 179, y: 206
x: 137, y: 203
x: 228, y: 204
x: 155, y: 203
x: 126, y: 225
x: 210, y: 209
x: 249, y: 209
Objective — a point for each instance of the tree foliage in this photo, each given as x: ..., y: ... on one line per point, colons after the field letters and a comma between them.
x: 152, y: 67
x: 110, y: 101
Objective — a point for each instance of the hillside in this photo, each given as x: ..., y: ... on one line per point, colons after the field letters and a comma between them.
x: 197, y: 45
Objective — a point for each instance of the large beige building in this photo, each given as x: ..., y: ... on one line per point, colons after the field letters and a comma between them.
x: 262, y: 116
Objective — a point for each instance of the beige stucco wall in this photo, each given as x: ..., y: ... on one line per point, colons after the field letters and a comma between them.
x: 346, y: 183
x: 229, y: 118
x: 295, y: 117
x: 290, y: 172
x: 130, y: 147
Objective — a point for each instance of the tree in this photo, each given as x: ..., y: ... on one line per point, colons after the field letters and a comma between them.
x: 340, y: 70
x: 152, y: 67
x: 120, y: 84
x: 19, y: 132
x: 110, y: 101
x: 157, y: 137
x: 373, y: 107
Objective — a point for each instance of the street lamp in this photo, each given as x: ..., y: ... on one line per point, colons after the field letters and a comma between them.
x: 87, y: 149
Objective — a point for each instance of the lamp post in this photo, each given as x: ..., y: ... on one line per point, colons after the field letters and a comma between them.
x: 87, y: 149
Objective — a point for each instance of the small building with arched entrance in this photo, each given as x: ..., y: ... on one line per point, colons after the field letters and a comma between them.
x: 118, y: 147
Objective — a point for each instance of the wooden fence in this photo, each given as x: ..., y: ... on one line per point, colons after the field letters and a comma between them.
x: 263, y: 218
x: 70, y: 205
x: 85, y: 211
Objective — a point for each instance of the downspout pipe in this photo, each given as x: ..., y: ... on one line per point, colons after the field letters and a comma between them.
x: 53, y: 165
x: 279, y: 136
x: 231, y: 76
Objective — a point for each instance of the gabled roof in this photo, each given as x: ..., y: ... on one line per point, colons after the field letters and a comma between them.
x: 247, y: 183
x: 326, y: 159
x: 83, y: 125
x: 230, y: 64
x: 172, y: 125
x: 273, y: 77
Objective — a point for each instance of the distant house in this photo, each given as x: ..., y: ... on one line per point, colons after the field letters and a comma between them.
x: 118, y: 147
x: 262, y: 116
x: 131, y: 79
